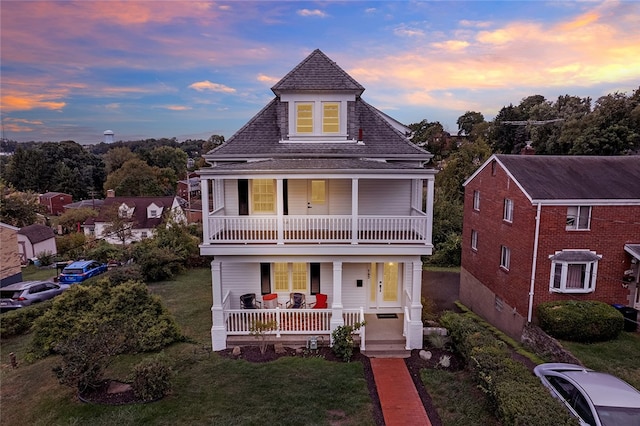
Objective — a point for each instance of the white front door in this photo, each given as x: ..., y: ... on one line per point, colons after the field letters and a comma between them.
x: 385, y: 285
x: 317, y: 197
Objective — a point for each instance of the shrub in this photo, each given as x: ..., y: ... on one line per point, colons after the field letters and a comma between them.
x: 129, y: 307
x: 45, y: 258
x: 580, y: 320
x: 156, y: 263
x: 516, y: 395
x: 85, y: 356
x: 152, y: 379
x: 343, y: 343
x: 21, y: 320
x: 260, y: 330
x: 123, y: 274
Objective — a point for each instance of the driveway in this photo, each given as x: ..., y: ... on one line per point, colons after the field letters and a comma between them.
x: 443, y: 287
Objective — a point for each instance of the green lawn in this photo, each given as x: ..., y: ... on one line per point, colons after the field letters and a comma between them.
x: 208, y: 389
x: 620, y: 357
x: 34, y: 273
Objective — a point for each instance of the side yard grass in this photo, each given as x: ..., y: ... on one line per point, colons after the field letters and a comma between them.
x: 619, y: 357
x: 207, y: 388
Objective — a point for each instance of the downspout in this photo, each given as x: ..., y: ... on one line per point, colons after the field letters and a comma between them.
x: 533, y: 264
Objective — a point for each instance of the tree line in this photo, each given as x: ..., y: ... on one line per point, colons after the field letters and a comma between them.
x: 568, y: 125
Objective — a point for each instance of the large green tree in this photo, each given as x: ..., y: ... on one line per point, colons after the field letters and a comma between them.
x: 19, y: 208
x: 136, y: 178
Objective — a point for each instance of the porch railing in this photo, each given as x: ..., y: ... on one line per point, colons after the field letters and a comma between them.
x: 318, y: 229
x: 288, y: 321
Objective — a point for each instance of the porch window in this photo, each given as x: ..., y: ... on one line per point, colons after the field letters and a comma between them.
x: 304, y: 117
x: 290, y: 277
x: 263, y: 195
x: 573, y: 271
x: 330, y: 117
x: 578, y: 217
x: 318, y: 191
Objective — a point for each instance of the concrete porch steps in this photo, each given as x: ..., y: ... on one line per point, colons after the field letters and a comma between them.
x: 386, y: 348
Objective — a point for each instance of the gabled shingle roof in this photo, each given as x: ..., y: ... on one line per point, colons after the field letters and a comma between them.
x: 317, y: 72
x: 37, y: 233
x: 140, y: 204
x: 370, y: 134
x: 568, y: 177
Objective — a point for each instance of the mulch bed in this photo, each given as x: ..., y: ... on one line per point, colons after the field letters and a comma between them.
x: 110, y: 392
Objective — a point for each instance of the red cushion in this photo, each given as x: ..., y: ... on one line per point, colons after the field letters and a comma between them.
x: 321, y: 301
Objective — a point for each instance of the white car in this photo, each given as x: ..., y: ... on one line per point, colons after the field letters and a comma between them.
x: 596, y: 399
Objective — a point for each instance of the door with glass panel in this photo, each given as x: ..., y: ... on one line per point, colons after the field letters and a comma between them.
x: 384, y: 285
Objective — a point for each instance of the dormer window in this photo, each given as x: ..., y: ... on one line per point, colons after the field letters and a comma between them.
x: 314, y: 117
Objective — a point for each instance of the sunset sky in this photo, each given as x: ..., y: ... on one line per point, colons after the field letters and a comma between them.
x: 72, y: 69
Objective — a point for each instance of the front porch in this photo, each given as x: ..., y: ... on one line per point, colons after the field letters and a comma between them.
x: 295, y: 327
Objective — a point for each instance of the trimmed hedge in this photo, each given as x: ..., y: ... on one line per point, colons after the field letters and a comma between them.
x: 583, y: 321
x: 516, y: 395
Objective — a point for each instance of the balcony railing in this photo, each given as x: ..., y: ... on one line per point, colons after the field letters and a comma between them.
x: 319, y: 229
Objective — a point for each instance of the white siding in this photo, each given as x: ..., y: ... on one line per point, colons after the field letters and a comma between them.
x: 297, y: 194
x: 340, y: 197
x: 353, y: 296
x: 231, y: 197
x: 240, y: 278
x: 384, y: 197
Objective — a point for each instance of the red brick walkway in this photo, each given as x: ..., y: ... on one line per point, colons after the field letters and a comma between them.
x: 401, y: 404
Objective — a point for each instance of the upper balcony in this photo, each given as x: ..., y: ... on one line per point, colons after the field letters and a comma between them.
x: 381, y: 215
x: 319, y: 229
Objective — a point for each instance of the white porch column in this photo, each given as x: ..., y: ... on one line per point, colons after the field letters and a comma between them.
x: 218, y: 328
x: 414, y: 335
x: 336, y: 305
x: 429, y: 209
x: 204, y: 195
x: 280, y: 210
x: 354, y: 211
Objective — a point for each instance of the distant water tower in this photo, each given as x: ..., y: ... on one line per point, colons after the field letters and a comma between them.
x: 108, y: 136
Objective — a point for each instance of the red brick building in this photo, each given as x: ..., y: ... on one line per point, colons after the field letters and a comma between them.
x: 55, y: 202
x: 540, y: 228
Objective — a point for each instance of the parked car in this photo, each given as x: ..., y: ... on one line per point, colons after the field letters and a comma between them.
x: 596, y: 399
x: 79, y: 271
x: 26, y: 293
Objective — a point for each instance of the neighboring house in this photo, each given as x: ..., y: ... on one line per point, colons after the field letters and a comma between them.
x: 34, y: 240
x: 543, y: 228
x: 319, y: 193
x: 55, y: 202
x: 189, y: 190
x: 139, y: 216
x: 10, y: 270
x: 84, y: 204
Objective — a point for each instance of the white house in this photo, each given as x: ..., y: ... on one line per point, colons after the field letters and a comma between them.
x: 322, y: 194
x: 34, y: 240
x: 141, y: 215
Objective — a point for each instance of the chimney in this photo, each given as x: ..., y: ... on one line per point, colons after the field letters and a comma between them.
x: 528, y: 149
x: 111, y: 193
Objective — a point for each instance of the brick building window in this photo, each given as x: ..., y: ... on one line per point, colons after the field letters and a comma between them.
x: 505, y: 257
x: 507, y: 215
x: 578, y: 217
x: 573, y: 271
x: 474, y: 240
x: 476, y: 200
